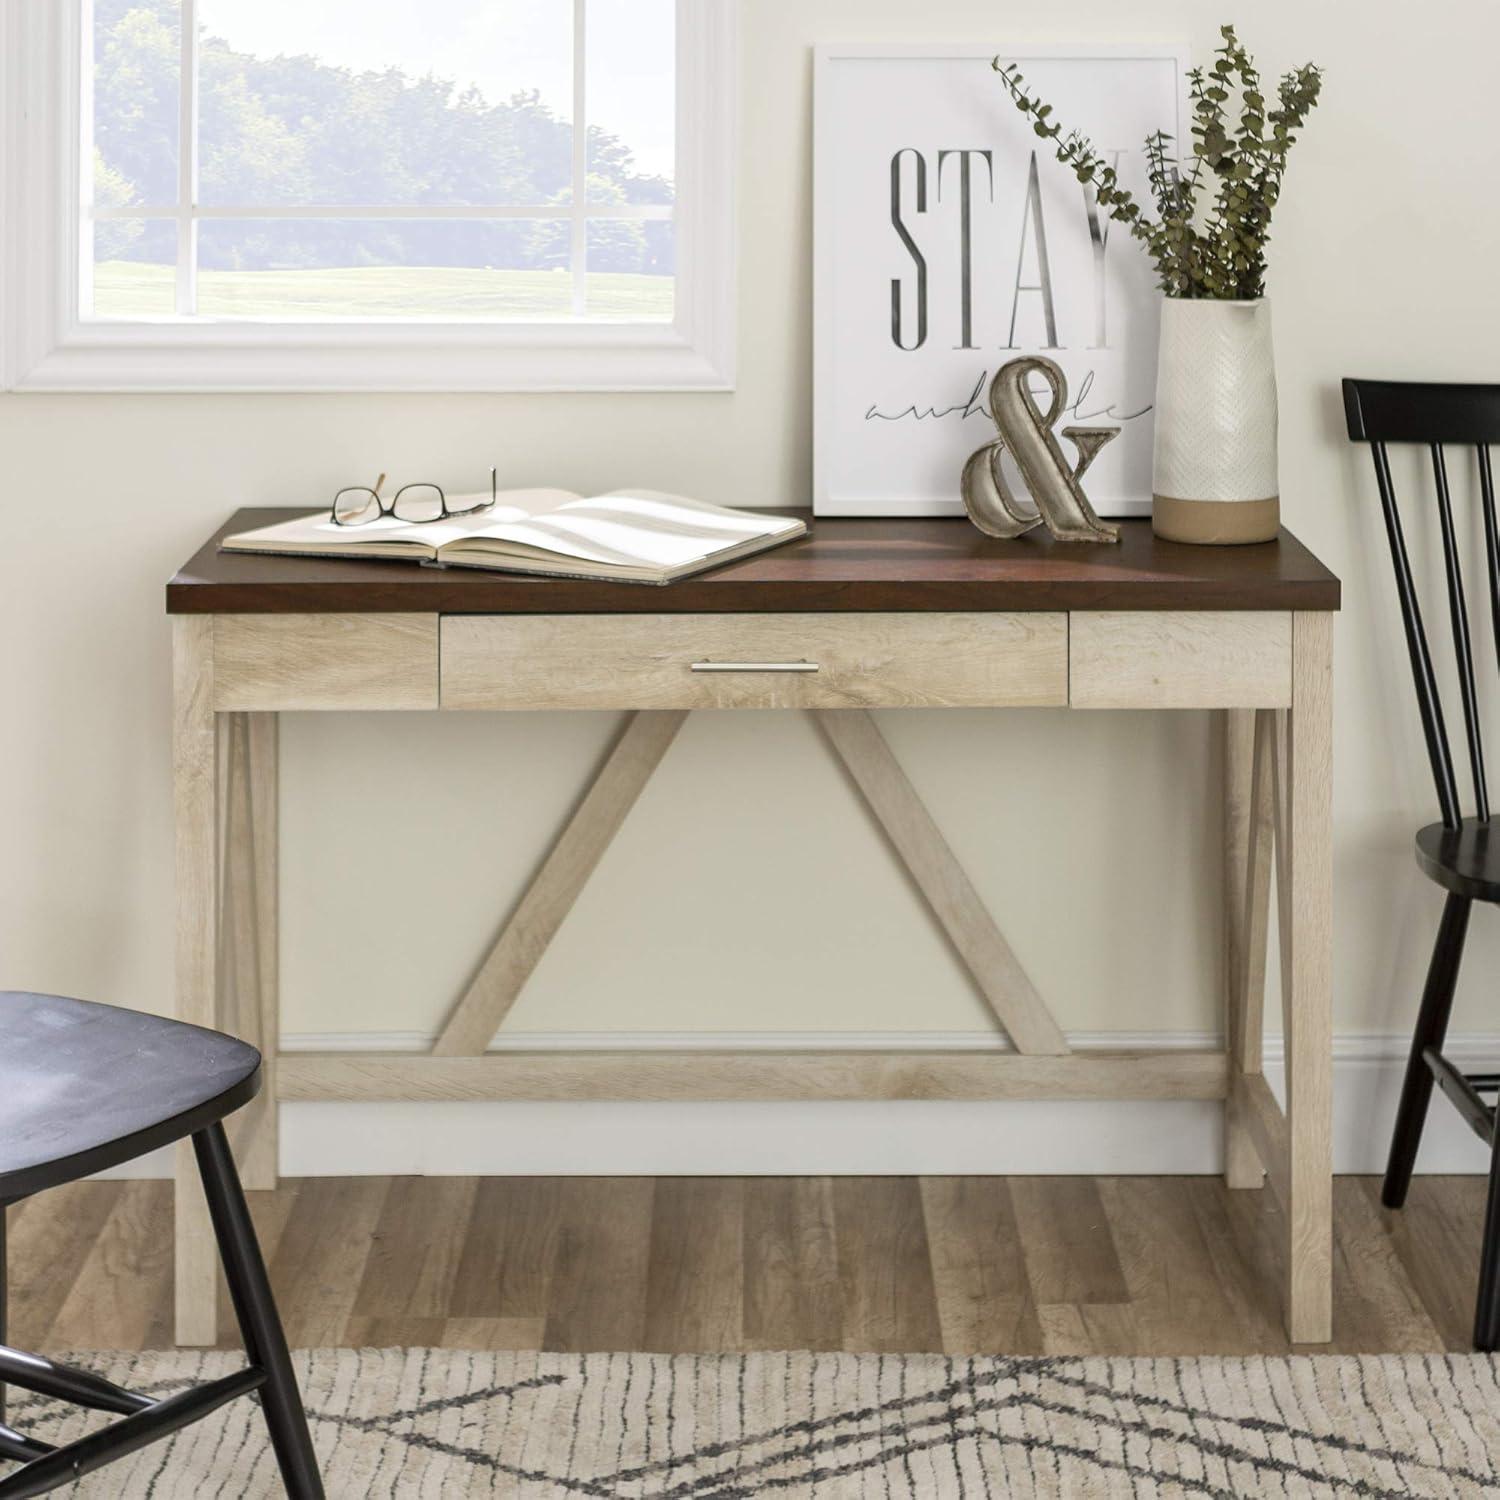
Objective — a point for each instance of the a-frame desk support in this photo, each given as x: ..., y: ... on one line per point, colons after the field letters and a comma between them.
x: 242, y: 656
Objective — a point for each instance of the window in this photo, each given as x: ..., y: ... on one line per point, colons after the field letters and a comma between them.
x: 368, y: 194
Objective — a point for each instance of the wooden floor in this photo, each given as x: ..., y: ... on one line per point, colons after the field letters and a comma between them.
x: 1015, y: 1265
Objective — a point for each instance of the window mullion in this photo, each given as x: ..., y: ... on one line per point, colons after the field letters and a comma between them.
x: 579, y: 254
x: 384, y: 211
x: 187, y: 166
x: 86, y: 239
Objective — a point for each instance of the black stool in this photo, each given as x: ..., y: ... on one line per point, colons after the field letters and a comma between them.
x: 84, y: 1087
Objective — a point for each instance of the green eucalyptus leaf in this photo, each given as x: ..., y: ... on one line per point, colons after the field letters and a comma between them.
x: 1200, y: 247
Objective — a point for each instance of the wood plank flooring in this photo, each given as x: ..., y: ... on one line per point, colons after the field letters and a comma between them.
x: 1033, y: 1265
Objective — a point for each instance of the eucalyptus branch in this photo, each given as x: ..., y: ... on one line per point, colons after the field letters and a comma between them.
x: 1079, y: 154
x: 1219, y: 251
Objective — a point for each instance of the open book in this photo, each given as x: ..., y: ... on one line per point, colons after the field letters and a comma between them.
x: 636, y: 536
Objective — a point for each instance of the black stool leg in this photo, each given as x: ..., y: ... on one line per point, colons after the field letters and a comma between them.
x: 250, y: 1289
x: 1432, y: 1026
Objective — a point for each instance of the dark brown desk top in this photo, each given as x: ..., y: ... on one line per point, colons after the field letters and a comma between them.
x: 917, y: 564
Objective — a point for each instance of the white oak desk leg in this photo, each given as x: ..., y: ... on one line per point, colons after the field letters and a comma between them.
x: 195, y: 802
x: 248, y: 1006
x: 1248, y: 827
x: 1305, y: 878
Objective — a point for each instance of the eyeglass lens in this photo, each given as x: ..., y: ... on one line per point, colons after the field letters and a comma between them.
x: 419, y: 502
x: 356, y: 507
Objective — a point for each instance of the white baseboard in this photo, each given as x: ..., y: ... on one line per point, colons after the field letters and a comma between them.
x: 747, y: 1139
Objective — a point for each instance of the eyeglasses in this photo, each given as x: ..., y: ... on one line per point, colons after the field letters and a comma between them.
x: 416, y: 504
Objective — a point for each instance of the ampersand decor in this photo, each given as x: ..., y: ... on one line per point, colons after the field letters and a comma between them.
x: 1027, y: 436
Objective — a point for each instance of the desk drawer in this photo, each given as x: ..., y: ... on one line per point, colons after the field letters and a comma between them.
x: 1181, y: 659
x: 271, y: 662
x: 754, y: 661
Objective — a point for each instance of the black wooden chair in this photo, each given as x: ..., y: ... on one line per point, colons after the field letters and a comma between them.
x: 1458, y: 852
x: 84, y: 1087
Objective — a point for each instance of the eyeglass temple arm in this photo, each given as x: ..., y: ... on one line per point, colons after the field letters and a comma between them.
x: 494, y: 486
x: 379, y: 485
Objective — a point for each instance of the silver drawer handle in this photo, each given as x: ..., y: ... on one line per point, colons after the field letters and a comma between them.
x: 755, y: 666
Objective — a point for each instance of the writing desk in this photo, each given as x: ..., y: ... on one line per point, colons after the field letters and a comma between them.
x: 858, y: 616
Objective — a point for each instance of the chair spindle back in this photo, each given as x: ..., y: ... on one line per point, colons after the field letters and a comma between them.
x: 1381, y: 412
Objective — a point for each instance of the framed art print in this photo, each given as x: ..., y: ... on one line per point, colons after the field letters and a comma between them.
x: 949, y: 240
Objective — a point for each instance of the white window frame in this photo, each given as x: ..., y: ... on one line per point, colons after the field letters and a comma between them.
x: 46, y: 344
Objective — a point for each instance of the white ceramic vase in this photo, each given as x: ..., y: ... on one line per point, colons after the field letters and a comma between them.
x: 1215, y: 473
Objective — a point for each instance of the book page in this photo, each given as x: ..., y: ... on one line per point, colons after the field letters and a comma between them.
x: 536, y: 535
x: 510, y: 506
x: 640, y: 527
x: 319, y: 532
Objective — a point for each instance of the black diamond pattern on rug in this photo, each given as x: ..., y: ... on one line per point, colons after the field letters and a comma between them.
x: 830, y: 1426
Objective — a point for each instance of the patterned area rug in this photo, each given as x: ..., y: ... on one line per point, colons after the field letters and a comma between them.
x: 650, y: 1427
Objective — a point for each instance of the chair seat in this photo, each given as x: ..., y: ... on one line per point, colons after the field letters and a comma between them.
x: 84, y: 1087
x: 1464, y: 860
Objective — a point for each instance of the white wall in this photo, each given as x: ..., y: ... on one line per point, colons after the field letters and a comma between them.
x: 748, y: 892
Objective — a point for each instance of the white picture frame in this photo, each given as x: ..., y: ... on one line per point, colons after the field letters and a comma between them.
x: 940, y: 253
